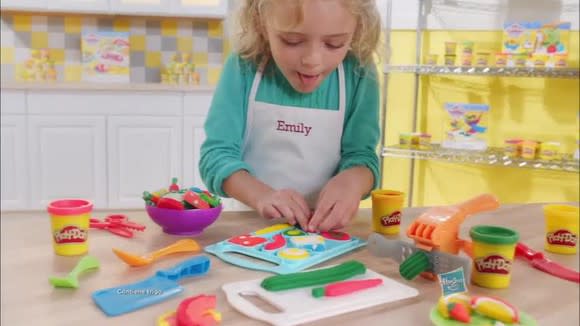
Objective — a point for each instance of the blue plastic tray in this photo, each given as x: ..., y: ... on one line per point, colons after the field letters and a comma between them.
x: 250, y: 250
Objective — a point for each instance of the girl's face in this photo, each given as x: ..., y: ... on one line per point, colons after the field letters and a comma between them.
x: 307, y: 52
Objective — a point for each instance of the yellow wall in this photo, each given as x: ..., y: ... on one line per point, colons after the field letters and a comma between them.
x: 532, y: 108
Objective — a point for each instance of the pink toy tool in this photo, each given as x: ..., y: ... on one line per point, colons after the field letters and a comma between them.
x: 117, y: 224
x: 537, y: 260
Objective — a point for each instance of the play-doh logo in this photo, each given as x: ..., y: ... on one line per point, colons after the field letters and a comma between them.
x: 393, y: 219
x: 70, y: 234
x: 515, y: 30
x: 493, y: 264
x: 562, y: 238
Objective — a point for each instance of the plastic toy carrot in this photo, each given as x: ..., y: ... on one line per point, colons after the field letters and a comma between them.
x: 346, y: 287
x: 150, y: 198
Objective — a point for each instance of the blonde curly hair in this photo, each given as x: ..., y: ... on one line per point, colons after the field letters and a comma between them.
x: 251, y: 42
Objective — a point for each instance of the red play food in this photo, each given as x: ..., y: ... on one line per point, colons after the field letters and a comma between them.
x: 335, y: 235
x: 247, y: 240
x: 278, y: 241
x: 198, y: 311
x: 346, y: 287
x: 195, y: 200
x: 459, y: 312
x: 170, y: 203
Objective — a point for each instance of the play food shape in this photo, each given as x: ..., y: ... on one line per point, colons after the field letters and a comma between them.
x: 336, y: 273
x: 476, y: 319
x: 482, y: 310
x: 181, y: 246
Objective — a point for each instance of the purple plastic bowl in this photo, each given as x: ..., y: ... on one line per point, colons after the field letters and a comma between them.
x: 186, y: 222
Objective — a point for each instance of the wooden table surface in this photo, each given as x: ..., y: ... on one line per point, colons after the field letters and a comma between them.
x: 28, y: 261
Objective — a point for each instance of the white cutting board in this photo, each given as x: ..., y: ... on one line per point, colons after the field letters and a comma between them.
x: 299, y: 306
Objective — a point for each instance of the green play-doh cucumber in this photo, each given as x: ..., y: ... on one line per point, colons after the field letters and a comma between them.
x: 337, y: 273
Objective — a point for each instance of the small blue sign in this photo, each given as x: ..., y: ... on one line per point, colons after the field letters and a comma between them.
x: 453, y: 282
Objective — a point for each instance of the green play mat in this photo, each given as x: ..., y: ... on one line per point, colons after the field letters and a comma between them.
x: 477, y: 320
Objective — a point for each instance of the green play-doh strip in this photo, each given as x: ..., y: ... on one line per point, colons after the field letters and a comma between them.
x: 337, y: 273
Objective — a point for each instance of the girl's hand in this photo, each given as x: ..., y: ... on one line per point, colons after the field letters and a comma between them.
x: 339, y: 200
x: 286, y: 203
x: 337, y: 205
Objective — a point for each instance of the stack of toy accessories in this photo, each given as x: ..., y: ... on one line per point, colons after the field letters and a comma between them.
x: 437, y: 243
x: 180, y: 199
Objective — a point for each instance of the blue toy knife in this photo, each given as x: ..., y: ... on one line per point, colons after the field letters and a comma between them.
x: 162, y: 286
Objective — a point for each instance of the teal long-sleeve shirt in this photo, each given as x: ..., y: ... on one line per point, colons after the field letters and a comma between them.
x: 222, y: 150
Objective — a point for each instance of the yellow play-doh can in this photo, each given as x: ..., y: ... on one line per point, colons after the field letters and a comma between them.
x: 493, y: 255
x: 405, y: 139
x: 561, y: 228
x: 387, y: 207
x: 69, y: 219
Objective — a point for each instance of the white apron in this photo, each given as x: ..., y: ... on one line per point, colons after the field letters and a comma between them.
x: 293, y: 147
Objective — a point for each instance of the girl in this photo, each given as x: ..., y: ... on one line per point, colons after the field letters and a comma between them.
x: 293, y: 124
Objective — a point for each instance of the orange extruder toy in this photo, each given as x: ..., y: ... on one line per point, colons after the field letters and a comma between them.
x: 438, y: 227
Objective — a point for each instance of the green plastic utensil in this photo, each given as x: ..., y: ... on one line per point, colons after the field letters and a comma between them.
x: 71, y: 280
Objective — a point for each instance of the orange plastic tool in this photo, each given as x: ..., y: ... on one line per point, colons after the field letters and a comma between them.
x: 438, y: 227
x: 185, y: 245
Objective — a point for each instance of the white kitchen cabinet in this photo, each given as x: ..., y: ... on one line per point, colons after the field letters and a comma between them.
x: 79, y: 5
x: 139, y: 7
x: 200, y: 8
x: 144, y: 154
x: 14, y: 172
x: 105, y: 145
x: 193, y: 137
x: 24, y: 4
x: 67, y: 159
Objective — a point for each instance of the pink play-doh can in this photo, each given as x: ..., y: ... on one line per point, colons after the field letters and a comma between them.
x: 69, y: 220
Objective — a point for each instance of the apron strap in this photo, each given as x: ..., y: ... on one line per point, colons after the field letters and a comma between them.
x: 257, y: 79
x: 341, y: 90
x: 252, y: 100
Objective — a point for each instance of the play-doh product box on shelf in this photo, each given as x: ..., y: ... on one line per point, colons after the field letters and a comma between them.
x: 519, y: 37
x: 466, y: 126
x: 553, y: 39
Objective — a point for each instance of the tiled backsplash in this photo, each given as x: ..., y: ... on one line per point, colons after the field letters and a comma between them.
x: 153, y: 41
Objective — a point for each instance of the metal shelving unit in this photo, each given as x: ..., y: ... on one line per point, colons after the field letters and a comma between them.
x: 568, y: 73
x: 493, y: 156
